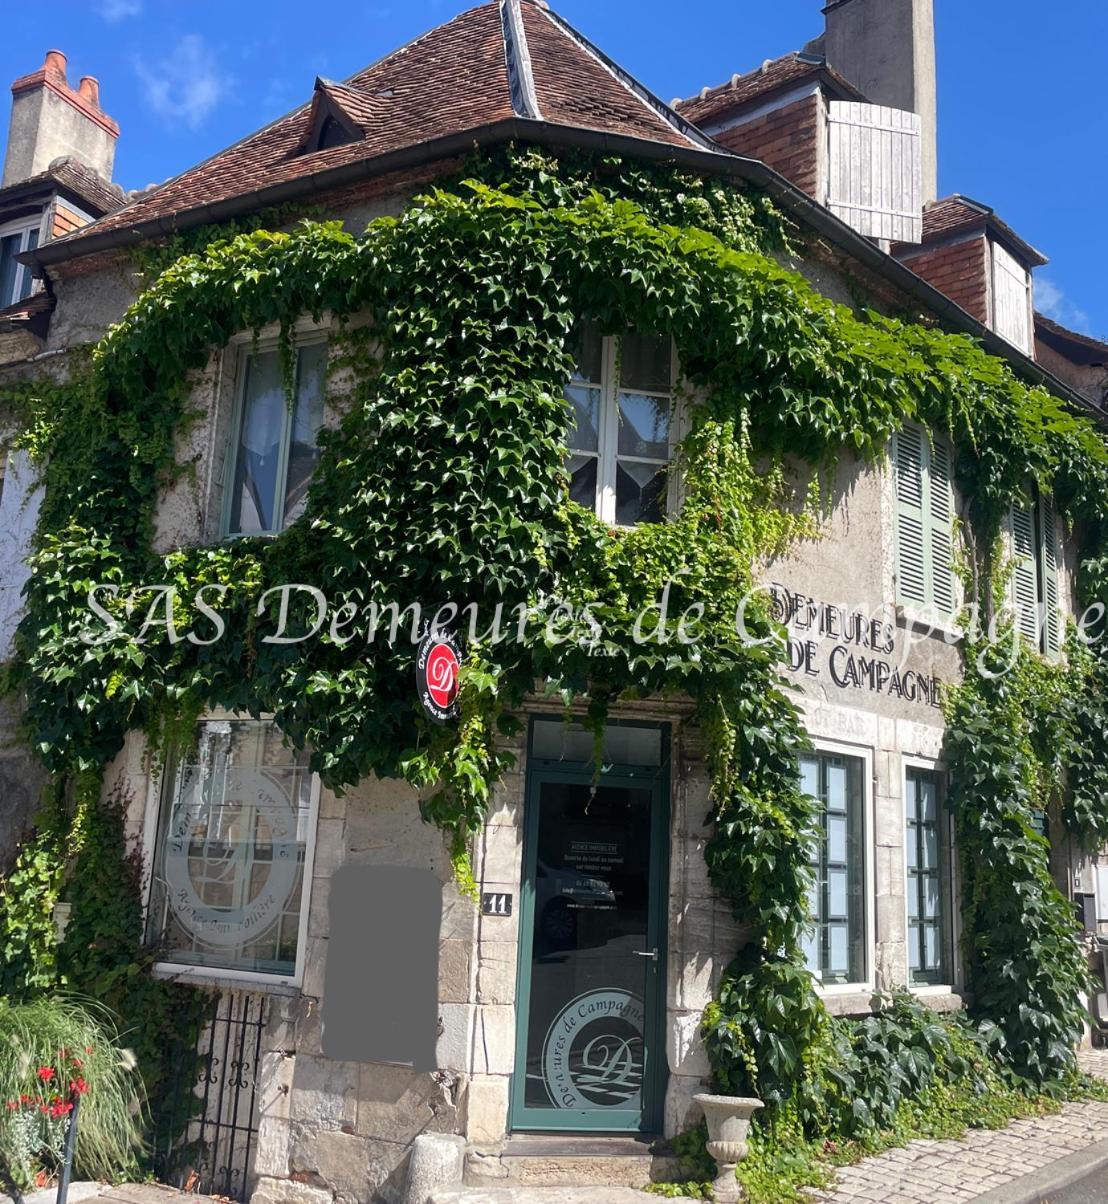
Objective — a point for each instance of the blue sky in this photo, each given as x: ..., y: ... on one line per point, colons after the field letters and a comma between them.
x: 1023, y: 119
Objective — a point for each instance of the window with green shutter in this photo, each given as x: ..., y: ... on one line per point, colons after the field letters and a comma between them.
x: 1034, y: 588
x: 1049, y: 556
x: 925, y: 521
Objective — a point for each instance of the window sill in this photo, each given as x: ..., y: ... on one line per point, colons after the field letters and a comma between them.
x: 853, y: 999
x: 203, y: 976
x: 939, y: 998
x: 923, y: 622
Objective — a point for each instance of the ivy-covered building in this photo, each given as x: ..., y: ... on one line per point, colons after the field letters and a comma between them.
x: 721, y: 449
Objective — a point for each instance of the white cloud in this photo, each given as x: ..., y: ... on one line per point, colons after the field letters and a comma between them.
x: 119, y: 10
x: 1052, y: 301
x: 184, y: 87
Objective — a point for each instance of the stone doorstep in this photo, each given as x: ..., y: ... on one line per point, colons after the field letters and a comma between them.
x: 537, y: 1161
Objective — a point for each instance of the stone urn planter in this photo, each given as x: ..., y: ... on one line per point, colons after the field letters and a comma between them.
x: 728, y: 1118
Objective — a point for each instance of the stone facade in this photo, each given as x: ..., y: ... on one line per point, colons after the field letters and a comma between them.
x: 338, y: 1130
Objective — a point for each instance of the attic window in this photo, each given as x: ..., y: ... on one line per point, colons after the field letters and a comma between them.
x: 332, y: 133
x: 330, y: 122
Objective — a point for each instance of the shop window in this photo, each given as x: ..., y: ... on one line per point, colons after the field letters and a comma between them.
x: 274, y: 450
x: 16, y: 280
x: 927, y: 841
x: 1034, y: 587
x: 836, y: 948
x: 232, y: 859
x: 925, y: 521
x: 621, y: 436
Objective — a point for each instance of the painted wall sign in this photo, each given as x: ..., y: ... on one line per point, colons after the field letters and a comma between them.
x: 863, y: 648
x: 437, y: 663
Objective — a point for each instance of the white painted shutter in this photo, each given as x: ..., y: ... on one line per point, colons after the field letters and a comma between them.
x: 875, y: 178
x: 1025, y: 573
x: 1011, y: 299
x: 1050, y: 553
x: 909, y: 447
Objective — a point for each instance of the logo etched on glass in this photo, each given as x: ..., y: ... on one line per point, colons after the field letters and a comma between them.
x: 593, y: 1053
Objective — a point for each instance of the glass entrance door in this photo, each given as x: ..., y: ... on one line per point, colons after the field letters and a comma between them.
x: 592, y: 926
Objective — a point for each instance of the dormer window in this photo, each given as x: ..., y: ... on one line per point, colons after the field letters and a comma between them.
x: 331, y: 133
x: 339, y: 115
x: 15, y: 278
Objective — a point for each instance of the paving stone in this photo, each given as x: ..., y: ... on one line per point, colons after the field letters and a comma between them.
x: 962, y: 1170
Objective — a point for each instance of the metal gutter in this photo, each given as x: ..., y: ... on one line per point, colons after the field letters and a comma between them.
x: 787, y: 195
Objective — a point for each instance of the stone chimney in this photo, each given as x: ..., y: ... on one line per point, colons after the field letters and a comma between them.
x: 50, y: 120
x: 886, y: 49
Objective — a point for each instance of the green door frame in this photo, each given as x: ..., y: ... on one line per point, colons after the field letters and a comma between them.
x: 648, y: 1119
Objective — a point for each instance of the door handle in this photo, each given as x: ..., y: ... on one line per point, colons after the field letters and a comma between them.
x: 651, y: 953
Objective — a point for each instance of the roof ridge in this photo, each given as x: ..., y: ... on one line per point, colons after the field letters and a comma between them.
x: 633, y: 85
x: 517, y: 58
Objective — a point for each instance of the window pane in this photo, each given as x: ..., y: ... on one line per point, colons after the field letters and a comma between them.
x: 588, y: 353
x: 582, y: 480
x: 306, y: 424
x: 931, y: 896
x: 925, y: 789
x: 584, y: 433
x: 623, y: 744
x: 913, y: 898
x: 913, y: 947
x: 645, y: 363
x: 28, y: 279
x: 836, y: 839
x: 259, y: 447
x: 640, y: 493
x: 644, y: 426
x: 809, y: 776
x: 9, y: 269
x: 229, y: 866
x: 837, y: 893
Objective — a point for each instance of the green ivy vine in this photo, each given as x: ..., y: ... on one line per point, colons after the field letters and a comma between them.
x: 443, y: 482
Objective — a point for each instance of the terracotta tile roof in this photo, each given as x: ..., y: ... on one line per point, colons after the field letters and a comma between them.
x: 452, y: 80
x: 71, y: 174
x: 712, y: 104
x: 32, y: 313
x: 1081, y: 348
x: 959, y: 214
x: 575, y: 87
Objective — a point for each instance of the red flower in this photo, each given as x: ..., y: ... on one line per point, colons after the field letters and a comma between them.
x: 77, y: 1062
x: 46, y: 1073
x: 88, y: 1049
x: 60, y: 1108
x: 12, y: 1104
x: 79, y: 1086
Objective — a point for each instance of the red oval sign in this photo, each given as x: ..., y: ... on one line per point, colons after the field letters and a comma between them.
x: 437, y: 664
x: 442, y: 675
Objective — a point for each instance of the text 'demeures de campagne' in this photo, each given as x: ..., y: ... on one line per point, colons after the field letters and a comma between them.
x: 854, y: 650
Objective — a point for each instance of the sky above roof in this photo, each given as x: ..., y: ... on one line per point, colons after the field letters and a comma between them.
x: 1023, y: 123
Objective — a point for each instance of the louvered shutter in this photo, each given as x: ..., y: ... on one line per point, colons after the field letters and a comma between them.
x: 925, y: 520
x: 1025, y: 574
x: 909, y: 449
x: 1011, y: 299
x: 1049, y: 553
x: 875, y: 178
x: 941, y: 505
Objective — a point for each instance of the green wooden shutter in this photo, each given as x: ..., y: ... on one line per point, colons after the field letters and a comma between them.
x: 909, y: 450
x: 1049, y: 553
x: 1025, y: 575
x: 941, y: 506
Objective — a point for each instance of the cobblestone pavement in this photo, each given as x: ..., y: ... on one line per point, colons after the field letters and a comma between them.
x: 933, y: 1172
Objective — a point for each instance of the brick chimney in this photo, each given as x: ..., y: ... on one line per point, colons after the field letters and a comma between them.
x: 50, y: 119
x: 886, y: 49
